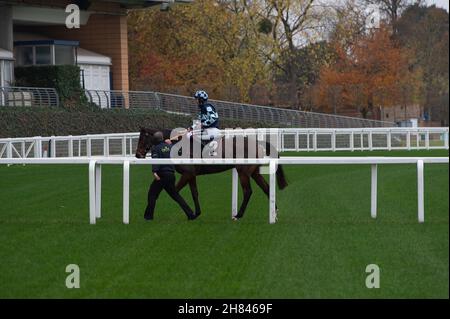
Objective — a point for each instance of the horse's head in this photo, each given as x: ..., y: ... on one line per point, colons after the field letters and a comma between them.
x: 145, y: 142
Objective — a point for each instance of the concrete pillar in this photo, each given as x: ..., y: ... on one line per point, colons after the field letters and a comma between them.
x: 6, y: 27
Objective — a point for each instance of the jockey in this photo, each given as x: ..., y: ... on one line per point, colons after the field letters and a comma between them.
x: 208, y: 117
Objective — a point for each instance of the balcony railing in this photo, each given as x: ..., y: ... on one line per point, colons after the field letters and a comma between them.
x: 28, y: 96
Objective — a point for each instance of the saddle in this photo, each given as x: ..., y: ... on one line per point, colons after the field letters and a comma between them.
x: 203, y: 142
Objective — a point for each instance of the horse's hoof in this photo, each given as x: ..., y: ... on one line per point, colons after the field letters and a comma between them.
x: 235, y: 218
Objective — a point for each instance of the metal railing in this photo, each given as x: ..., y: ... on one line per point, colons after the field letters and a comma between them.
x: 288, y: 139
x: 123, y: 99
x: 28, y: 96
x: 185, y: 105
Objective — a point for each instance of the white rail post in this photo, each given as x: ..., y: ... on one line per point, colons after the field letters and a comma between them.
x: 427, y: 140
x: 408, y: 140
x: 370, y: 140
x: 389, y: 140
x: 446, y: 139
x: 124, y: 146
x: 261, y: 135
x: 40, y: 146
x: 307, y: 141
x: 131, y: 146
x: 272, y: 191
x: 98, y: 190
x: 88, y: 146
x: 106, y: 146
x: 53, y: 147
x: 333, y: 141
x: 126, y: 192
x: 315, y: 141
x: 352, y: 141
x: 420, y: 191
x: 22, y: 149
x: 373, y: 197
x: 361, y: 139
x: 70, y: 146
x: 37, y: 147
x: 280, y: 148
x: 92, y: 200
x: 234, y: 193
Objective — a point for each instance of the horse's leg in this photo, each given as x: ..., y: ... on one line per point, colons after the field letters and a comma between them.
x: 194, y: 192
x: 184, y: 179
x: 261, y: 182
x: 189, y: 178
x: 244, y: 178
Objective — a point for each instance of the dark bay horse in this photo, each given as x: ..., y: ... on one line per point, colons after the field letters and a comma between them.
x: 189, y: 173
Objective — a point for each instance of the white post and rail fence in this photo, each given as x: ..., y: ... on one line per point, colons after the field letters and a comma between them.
x: 290, y: 139
x: 95, y: 176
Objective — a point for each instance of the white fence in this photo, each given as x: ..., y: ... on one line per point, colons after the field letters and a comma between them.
x: 364, y: 139
x: 289, y: 139
x: 95, y: 165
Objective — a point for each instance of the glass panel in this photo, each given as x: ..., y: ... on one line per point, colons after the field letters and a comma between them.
x: 7, y: 73
x: 43, y: 55
x: 24, y: 55
x: 64, y: 54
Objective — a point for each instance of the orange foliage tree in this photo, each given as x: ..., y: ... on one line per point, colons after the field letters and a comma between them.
x: 201, y: 45
x: 366, y: 75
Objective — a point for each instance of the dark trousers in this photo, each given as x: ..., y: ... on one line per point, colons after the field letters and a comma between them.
x: 166, y: 182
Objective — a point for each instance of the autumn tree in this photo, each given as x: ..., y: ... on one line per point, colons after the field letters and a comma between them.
x: 288, y: 33
x: 390, y: 9
x: 425, y: 31
x: 201, y: 45
x: 368, y: 74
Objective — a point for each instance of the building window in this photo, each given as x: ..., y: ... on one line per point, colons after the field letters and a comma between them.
x: 24, y: 55
x: 64, y: 54
x: 43, y: 55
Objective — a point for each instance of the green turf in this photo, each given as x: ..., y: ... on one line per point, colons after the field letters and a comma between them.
x: 319, y: 248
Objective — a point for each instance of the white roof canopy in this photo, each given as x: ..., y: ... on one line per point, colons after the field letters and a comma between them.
x: 88, y: 57
x: 6, y: 55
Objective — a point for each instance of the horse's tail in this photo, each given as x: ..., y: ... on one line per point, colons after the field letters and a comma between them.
x: 281, y: 178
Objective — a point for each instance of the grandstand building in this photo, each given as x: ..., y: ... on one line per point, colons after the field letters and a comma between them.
x: 34, y: 32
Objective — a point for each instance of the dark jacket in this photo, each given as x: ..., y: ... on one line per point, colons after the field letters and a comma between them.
x: 162, y: 150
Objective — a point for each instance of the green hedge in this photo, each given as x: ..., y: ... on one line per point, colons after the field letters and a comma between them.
x: 24, y: 122
x: 64, y: 78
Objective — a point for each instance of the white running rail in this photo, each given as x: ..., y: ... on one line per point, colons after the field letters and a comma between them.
x: 289, y: 139
x: 95, y: 181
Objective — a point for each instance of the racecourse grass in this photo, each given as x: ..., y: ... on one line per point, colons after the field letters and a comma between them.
x: 319, y: 248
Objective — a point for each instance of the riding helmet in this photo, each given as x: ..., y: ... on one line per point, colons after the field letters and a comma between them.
x: 202, y: 95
